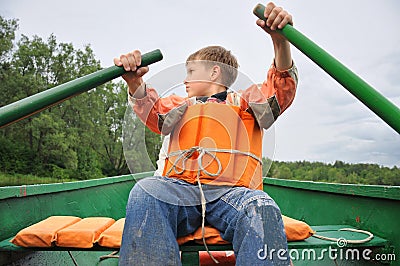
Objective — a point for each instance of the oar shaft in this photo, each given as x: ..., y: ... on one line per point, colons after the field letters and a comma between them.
x: 38, y: 102
x: 375, y: 101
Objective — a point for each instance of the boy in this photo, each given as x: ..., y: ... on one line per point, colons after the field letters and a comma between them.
x: 213, y: 167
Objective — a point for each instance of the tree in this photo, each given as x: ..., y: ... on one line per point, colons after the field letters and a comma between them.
x: 7, y: 37
x: 283, y: 172
x: 339, y: 172
x: 79, y: 138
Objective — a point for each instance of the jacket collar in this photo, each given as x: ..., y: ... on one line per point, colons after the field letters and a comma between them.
x: 220, y: 97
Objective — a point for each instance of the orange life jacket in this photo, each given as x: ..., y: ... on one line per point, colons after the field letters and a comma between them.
x: 220, y: 144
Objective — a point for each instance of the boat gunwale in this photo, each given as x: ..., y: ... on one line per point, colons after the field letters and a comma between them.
x: 375, y: 191
x: 39, y: 189
x: 361, y: 190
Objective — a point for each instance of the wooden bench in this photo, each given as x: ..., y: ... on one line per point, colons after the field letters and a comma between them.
x: 190, y: 250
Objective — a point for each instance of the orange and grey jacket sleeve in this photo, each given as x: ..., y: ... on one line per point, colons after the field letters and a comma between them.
x: 159, y: 114
x: 270, y: 99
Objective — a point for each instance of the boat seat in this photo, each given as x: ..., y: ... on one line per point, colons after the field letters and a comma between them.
x: 190, y: 250
x: 75, y: 232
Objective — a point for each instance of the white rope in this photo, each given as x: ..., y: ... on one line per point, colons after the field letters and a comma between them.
x: 111, y: 255
x: 360, y: 241
x: 184, y: 155
x: 203, y: 217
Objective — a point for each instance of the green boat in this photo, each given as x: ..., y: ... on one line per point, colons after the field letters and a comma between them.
x: 327, y: 208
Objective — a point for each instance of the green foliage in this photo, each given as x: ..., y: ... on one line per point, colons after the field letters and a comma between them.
x: 7, y: 36
x: 141, y: 145
x: 19, y: 179
x: 339, y: 172
x: 153, y: 145
x: 80, y: 138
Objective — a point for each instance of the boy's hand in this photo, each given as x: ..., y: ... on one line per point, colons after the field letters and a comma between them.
x: 277, y: 18
x: 131, y: 62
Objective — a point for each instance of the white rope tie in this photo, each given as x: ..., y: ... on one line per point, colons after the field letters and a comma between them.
x: 184, y: 155
x: 349, y: 241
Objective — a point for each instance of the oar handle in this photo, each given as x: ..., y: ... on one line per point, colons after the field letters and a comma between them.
x: 151, y: 57
x: 375, y: 101
x: 38, y: 102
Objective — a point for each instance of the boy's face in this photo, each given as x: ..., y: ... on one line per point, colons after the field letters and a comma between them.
x: 198, y: 79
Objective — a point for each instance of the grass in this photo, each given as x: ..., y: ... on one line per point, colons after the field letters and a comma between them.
x: 20, y: 179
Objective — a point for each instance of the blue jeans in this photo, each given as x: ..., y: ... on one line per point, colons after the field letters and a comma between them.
x: 160, y: 209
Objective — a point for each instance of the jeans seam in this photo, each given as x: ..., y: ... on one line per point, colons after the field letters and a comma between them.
x: 247, y: 201
x: 171, y: 180
x: 256, y: 197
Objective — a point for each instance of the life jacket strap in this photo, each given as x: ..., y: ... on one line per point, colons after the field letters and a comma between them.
x: 184, y: 155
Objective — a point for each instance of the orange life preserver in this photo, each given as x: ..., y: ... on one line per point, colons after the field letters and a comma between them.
x: 220, y: 144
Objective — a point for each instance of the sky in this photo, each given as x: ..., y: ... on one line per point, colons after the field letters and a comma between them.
x: 325, y: 122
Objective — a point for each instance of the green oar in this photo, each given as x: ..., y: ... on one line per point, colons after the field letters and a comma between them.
x: 38, y: 102
x: 375, y: 101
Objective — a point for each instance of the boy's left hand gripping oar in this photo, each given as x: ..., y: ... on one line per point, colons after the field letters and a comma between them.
x: 38, y: 102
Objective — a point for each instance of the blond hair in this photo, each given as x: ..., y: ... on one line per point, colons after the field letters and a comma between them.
x: 223, y: 58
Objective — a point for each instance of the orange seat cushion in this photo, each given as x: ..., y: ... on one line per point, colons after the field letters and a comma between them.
x: 44, y: 233
x: 295, y: 231
x: 211, y: 236
x: 112, y: 236
x: 84, y: 233
x: 69, y: 231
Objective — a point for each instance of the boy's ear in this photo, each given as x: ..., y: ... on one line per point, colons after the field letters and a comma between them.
x: 215, y: 73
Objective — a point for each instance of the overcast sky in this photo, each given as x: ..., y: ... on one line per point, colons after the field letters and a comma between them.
x: 325, y: 122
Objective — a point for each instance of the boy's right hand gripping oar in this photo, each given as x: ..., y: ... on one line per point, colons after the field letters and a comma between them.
x: 375, y: 101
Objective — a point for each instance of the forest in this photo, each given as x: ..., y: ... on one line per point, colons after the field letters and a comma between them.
x: 337, y: 172
x: 81, y: 138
